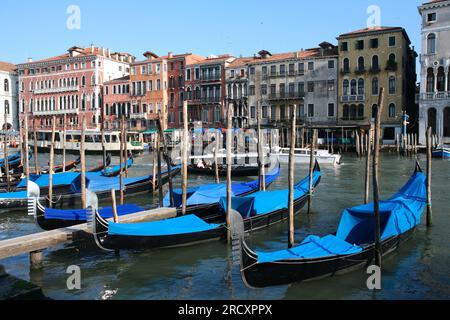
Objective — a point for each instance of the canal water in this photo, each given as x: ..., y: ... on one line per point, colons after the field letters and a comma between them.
x: 419, y: 270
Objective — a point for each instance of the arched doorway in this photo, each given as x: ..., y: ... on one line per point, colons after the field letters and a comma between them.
x: 432, y: 119
x: 447, y: 122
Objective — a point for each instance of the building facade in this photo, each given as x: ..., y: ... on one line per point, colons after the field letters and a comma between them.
x: 307, y: 78
x: 69, y: 85
x: 236, y: 80
x: 369, y: 59
x: 9, y: 96
x: 205, y: 90
x: 434, y: 95
x: 117, y: 103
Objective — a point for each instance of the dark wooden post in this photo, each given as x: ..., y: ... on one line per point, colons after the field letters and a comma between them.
x: 50, y: 171
x: 311, y: 168
x: 368, y: 156
x: 27, y: 161
x: 36, y: 169
x: 261, y: 177
x: 83, y: 162
x: 376, y: 197
x: 358, y: 153
x: 160, y: 184
x: 167, y: 160
x: 229, y: 146
x: 114, y: 206
x: 155, y: 145
x: 125, y: 148
x: 121, y: 159
x: 429, y: 154
x: 184, y: 156
x: 291, y: 178
x: 6, y: 153
x: 64, y: 144
x: 102, y: 128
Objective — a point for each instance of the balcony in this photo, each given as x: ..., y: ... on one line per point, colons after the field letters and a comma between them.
x: 138, y: 116
x: 375, y: 70
x: 55, y: 112
x: 56, y: 90
x: 354, y: 119
x: 391, y: 65
x: 286, y: 95
x: 443, y: 95
x: 360, y: 70
x: 211, y: 77
x: 210, y: 100
x: 345, y: 71
x: 353, y: 98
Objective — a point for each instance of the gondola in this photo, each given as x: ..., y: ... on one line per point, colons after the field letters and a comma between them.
x: 102, y: 187
x: 261, y: 210
x: 204, y: 200
x: 50, y: 219
x: 115, y: 171
x: 351, y: 247
x: 60, y: 168
x: 102, y: 166
x: 236, y: 171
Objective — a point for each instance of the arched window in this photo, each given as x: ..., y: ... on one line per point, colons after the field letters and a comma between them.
x: 360, y: 114
x: 360, y: 86
x: 441, y: 79
x: 353, y: 87
x: 83, y: 80
x: 361, y: 64
x: 6, y: 85
x: 432, y: 119
x: 375, y: 63
x: 392, y: 58
x: 7, y: 107
x: 83, y: 102
x: 431, y: 43
x: 392, y: 85
x: 346, y: 65
x: 346, y: 112
x: 447, y: 122
x: 353, y: 112
x: 392, y: 111
x: 430, y: 80
x: 345, y: 87
x: 374, y: 111
x: 375, y: 86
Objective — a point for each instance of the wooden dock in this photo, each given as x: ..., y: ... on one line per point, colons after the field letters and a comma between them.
x: 36, y: 243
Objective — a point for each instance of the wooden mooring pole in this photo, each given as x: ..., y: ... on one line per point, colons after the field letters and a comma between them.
x: 291, y: 178
x: 311, y: 168
x: 114, y: 206
x: 27, y: 158
x: 358, y: 153
x: 52, y: 160
x: 262, y: 177
x: 35, y: 147
x: 64, y: 144
x: 122, y: 130
x: 368, y: 156
x: 229, y: 165
x: 376, y: 196
x: 155, y: 145
x: 184, y: 157
x: 6, y: 153
x: 125, y: 148
x: 83, y: 162
x: 428, y: 183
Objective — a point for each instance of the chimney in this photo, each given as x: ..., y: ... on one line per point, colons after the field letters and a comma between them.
x: 92, y: 48
x: 103, y: 51
x: 170, y: 54
x: 296, y: 55
x: 108, y: 53
x: 30, y: 60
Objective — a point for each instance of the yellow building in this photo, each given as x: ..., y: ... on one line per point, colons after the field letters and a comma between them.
x: 369, y: 59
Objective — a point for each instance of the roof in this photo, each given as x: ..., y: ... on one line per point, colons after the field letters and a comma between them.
x: 219, y: 59
x: 8, y: 67
x: 304, y: 54
x: 81, y: 52
x: 374, y: 30
x: 429, y: 4
x: 122, y: 79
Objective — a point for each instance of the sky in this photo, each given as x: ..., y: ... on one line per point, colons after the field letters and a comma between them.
x: 38, y: 29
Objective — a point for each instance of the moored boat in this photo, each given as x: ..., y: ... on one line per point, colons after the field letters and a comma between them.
x: 303, y: 155
x: 352, y: 246
x: 441, y: 152
x: 260, y: 210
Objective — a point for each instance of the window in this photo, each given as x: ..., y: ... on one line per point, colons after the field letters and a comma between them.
x: 330, y: 64
x: 217, y: 114
x: 344, y: 46
x: 188, y: 74
x: 301, y: 68
x: 133, y: 71
x: 252, y: 70
x: 375, y: 86
x: 431, y: 17
x: 431, y: 43
x: 361, y: 64
x: 143, y: 69
x: 291, y: 68
x: 6, y: 85
x: 150, y: 85
x: 392, y: 112
x: 359, y: 45
x: 331, y: 109
x: 345, y: 87
x: 346, y: 65
x: 282, y: 70
x: 311, y: 66
x: 273, y: 112
x: 252, y: 90
x: 301, y: 88
x: 158, y: 85
x: 353, y: 87
x: 330, y: 85
x: 310, y: 110
x: 253, y: 112
x: 392, y: 41
x: 264, y: 112
x: 197, y: 73
x: 264, y: 89
x: 374, y: 43
x: 273, y: 70
x: 392, y: 85
x: 264, y: 70
x: 375, y: 63
x: 360, y: 86
x: 310, y: 86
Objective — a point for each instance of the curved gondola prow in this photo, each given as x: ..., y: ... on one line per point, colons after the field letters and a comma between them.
x: 33, y: 194
x: 418, y: 167
x: 317, y: 166
x: 237, y: 236
x: 96, y: 224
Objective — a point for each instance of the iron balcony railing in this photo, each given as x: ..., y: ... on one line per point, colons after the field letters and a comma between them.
x: 286, y: 95
x: 353, y: 98
x: 442, y: 95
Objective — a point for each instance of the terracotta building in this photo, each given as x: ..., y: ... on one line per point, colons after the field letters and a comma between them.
x: 117, y: 102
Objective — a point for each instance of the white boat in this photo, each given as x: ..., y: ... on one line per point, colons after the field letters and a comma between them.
x: 302, y: 155
x: 92, y: 141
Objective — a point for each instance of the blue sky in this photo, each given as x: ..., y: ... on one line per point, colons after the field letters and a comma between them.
x: 38, y: 29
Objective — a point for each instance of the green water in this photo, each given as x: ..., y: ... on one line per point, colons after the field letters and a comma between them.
x: 419, y: 270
